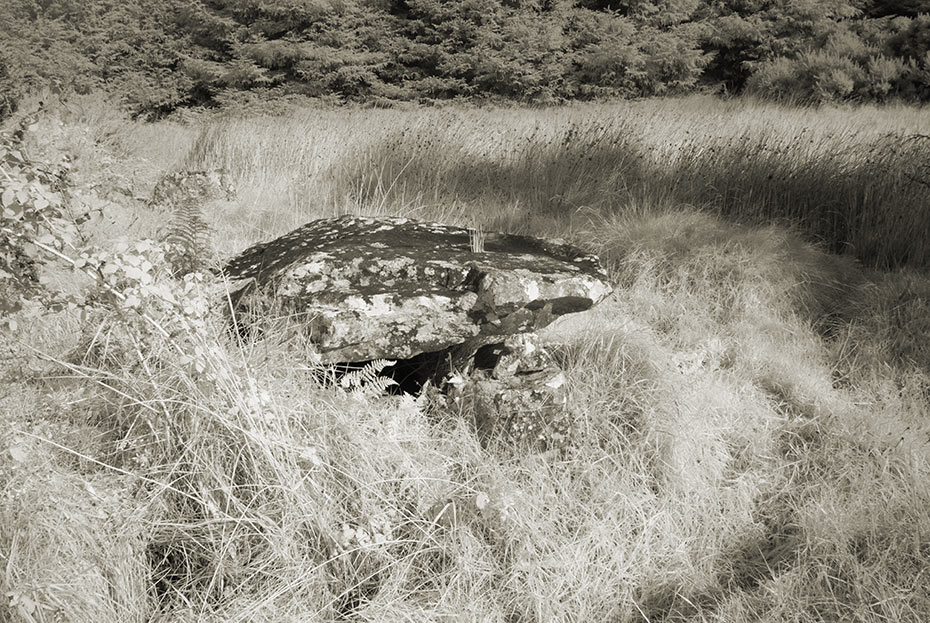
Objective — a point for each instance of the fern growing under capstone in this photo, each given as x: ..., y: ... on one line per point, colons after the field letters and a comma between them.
x: 368, y: 381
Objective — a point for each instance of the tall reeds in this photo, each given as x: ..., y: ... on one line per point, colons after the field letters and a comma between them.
x: 854, y: 182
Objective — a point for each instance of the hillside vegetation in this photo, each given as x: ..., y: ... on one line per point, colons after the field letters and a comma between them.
x: 161, y: 55
x: 753, y: 441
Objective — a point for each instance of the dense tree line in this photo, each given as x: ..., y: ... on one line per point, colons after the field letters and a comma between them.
x: 158, y: 55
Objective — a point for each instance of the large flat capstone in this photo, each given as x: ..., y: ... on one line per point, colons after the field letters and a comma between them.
x: 364, y: 288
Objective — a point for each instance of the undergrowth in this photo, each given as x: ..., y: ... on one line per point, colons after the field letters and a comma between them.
x: 752, y: 441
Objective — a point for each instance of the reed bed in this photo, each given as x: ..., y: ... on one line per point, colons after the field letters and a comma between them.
x: 855, y: 181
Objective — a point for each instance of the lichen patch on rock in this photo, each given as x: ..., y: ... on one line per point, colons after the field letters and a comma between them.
x: 394, y: 288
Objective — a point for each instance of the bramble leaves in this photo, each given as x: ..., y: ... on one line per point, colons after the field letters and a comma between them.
x: 32, y: 218
x: 131, y: 283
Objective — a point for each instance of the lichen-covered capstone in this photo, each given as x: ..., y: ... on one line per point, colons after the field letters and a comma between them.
x: 364, y: 288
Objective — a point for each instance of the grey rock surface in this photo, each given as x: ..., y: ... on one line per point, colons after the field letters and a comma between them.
x: 179, y: 187
x: 363, y: 288
x: 524, y: 397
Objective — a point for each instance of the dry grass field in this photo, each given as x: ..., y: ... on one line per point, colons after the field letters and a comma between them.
x: 754, y: 433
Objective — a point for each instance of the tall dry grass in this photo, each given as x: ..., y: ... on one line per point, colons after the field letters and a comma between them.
x: 854, y: 180
x: 752, y: 440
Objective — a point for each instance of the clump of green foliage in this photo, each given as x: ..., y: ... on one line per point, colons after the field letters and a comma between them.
x: 157, y: 56
x: 129, y: 49
x: 186, y: 236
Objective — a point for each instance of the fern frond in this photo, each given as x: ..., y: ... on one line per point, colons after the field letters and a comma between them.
x: 368, y: 379
x: 183, y: 193
x: 187, y: 239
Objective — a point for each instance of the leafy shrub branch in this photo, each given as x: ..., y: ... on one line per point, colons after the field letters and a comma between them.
x: 132, y: 282
x: 33, y: 226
